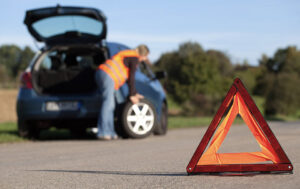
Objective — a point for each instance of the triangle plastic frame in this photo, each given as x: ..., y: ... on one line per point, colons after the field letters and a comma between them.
x: 284, y: 165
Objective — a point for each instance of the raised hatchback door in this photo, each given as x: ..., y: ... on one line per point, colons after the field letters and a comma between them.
x: 66, y: 25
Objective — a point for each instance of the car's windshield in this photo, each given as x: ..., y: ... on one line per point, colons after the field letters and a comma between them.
x: 57, y: 25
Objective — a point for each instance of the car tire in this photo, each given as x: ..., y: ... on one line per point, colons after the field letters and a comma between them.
x: 27, y: 129
x: 138, y: 120
x: 162, y: 126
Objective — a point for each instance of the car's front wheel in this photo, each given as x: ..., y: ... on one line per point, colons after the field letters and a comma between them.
x: 138, y: 120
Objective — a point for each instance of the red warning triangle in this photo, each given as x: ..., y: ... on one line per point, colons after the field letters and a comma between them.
x: 239, y: 102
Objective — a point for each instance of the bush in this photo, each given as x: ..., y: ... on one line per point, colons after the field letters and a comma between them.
x: 196, y: 79
x: 279, y: 82
x: 284, y: 97
x: 201, y: 105
x: 13, y: 60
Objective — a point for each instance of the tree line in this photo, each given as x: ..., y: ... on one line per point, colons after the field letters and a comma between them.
x: 199, y: 79
x: 13, y: 60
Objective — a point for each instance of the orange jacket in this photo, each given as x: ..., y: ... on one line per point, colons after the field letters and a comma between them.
x: 116, y: 68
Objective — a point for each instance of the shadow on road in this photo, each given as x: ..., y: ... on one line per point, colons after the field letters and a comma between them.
x: 168, y: 174
x: 126, y: 173
x: 11, y: 134
x: 64, y: 134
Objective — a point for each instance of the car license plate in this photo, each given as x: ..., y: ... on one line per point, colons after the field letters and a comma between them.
x: 62, y: 106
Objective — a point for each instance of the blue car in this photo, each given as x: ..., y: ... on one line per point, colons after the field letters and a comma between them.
x: 58, y: 88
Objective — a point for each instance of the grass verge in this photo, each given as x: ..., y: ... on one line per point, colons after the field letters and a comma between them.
x: 8, y: 133
x: 185, y: 122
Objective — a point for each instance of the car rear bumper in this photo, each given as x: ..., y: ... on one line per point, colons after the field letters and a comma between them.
x: 31, y: 106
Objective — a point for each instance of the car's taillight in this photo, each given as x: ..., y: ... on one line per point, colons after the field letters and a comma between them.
x: 26, y: 81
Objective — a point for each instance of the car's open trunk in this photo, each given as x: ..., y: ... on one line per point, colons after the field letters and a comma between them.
x: 57, y: 73
x: 66, y: 81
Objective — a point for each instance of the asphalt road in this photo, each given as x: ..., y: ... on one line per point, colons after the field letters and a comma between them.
x: 155, y: 162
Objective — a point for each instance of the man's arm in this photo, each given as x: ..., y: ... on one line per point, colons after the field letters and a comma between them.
x: 131, y: 63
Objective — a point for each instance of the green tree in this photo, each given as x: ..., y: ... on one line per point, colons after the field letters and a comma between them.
x: 15, y: 59
x: 247, y: 74
x: 25, y: 58
x: 3, y: 76
x: 279, y: 81
x: 224, y: 64
x: 283, y: 97
x: 9, y: 57
x: 194, y: 77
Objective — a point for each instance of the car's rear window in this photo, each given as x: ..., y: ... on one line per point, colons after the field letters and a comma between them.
x: 53, y: 26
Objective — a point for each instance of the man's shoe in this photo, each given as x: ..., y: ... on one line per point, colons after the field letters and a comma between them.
x: 106, y: 138
x: 115, y: 137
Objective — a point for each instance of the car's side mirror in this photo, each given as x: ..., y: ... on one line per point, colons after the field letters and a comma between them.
x: 160, y: 75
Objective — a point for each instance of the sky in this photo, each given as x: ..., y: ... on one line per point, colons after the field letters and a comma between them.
x: 243, y: 29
